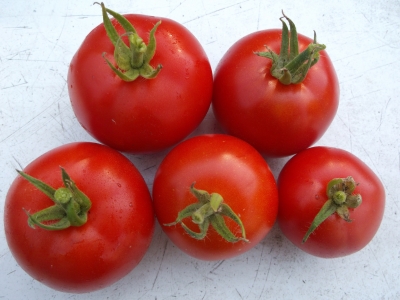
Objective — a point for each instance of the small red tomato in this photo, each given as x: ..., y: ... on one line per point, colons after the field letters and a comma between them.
x: 215, y: 197
x: 330, y: 202
x: 144, y: 97
x: 280, y: 104
x: 98, y: 226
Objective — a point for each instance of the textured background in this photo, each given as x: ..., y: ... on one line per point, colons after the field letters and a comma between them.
x: 38, y: 40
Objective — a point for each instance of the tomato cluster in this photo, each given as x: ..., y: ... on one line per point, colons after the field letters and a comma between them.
x: 80, y: 217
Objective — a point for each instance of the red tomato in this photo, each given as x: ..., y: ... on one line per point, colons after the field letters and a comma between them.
x: 277, y: 119
x: 145, y: 115
x: 115, y: 237
x: 221, y: 165
x: 302, y: 186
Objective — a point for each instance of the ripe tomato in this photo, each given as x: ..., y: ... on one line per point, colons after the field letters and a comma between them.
x: 144, y: 115
x: 303, y: 191
x: 206, y: 168
x: 276, y: 118
x: 119, y: 225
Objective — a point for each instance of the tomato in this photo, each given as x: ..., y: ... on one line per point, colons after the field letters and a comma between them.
x: 277, y: 119
x: 143, y: 115
x: 215, y: 197
x: 119, y: 227
x: 304, y: 186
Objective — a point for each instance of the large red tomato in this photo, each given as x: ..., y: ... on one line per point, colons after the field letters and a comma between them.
x: 143, y: 115
x: 215, y: 197
x: 277, y: 119
x: 349, y: 209
x: 115, y: 237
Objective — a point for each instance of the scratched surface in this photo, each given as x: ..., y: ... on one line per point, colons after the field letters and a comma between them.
x: 38, y: 40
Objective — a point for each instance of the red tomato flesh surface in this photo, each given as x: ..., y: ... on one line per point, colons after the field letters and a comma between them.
x: 146, y: 115
x: 218, y: 164
x: 277, y: 119
x: 302, y: 187
x: 113, y: 241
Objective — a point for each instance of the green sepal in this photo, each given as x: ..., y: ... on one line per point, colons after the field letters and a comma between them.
x: 40, y: 185
x: 327, y: 210
x: 340, y: 200
x: 81, y: 199
x: 111, y: 31
x: 290, y: 66
x: 201, y: 195
x: 70, y: 205
x: 132, y: 61
x: 185, y: 213
x: 218, y: 223
x: 52, y: 213
x: 209, y: 210
x: 333, y: 186
x: 353, y: 201
x: 198, y: 235
x: 227, y: 211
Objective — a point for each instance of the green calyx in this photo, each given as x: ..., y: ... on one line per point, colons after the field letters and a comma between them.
x: 70, y: 207
x: 132, y: 61
x: 290, y: 66
x: 209, y: 210
x: 340, y: 200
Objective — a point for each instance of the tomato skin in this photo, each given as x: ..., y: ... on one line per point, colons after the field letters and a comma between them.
x: 142, y: 116
x: 113, y: 241
x: 277, y: 119
x: 302, y: 192
x: 218, y: 164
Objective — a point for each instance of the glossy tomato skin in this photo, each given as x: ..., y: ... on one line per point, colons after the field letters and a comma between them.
x: 113, y: 241
x: 302, y: 192
x: 218, y: 164
x: 277, y: 119
x: 142, y: 116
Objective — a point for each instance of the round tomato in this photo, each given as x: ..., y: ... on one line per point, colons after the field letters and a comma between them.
x: 330, y: 202
x: 215, y: 197
x: 278, y: 119
x: 143, y: 115
x: 117, y: 232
